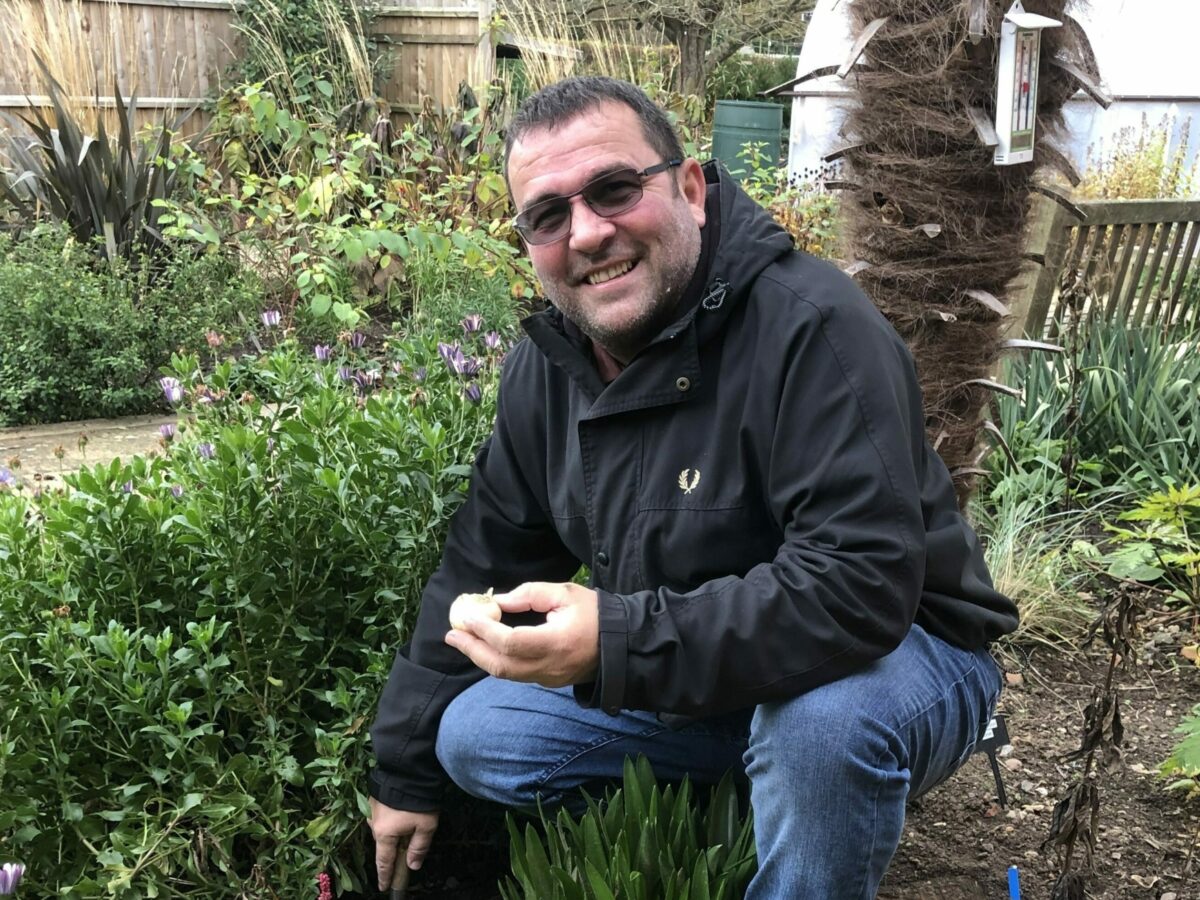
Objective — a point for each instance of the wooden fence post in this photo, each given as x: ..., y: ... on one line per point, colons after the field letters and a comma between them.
x: 1038, y: 300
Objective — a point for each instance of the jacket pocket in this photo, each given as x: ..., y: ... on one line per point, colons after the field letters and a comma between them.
x: 682, y: 548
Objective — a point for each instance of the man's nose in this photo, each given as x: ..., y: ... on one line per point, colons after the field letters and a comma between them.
x: 589, y: 231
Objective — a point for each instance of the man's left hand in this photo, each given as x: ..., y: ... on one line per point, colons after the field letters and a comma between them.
x: 564, y: 650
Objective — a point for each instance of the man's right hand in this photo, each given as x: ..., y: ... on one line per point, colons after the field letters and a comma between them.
x: 399, y: 830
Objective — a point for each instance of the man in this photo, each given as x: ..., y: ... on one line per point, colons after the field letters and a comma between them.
x: 731, y: 437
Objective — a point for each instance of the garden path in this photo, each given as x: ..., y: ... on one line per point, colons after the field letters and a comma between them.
x: 107, y: 439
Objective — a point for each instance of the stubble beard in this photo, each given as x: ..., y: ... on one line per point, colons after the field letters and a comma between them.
x: 677, y: 263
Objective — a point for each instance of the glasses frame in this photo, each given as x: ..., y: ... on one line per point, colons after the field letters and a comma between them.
x: 645, y: 173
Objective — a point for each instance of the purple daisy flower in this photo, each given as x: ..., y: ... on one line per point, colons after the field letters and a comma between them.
x: 171, y: 388
x: 473, y: 393
x: 322, y: 352
x: 270, y: 318
x: 472, y: 323
x: 206, y: 450
x: 10, y: 877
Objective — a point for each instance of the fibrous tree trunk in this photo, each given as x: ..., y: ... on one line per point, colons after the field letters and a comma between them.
x: 937, y: 230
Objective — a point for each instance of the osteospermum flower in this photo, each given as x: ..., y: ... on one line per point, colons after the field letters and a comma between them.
x: 472, y: 323
x: 167, y: 430
x: 322, y: 352
x: 127, y: 487
x: 357, y: 340
x: 270, y: 318
x: 473, y: 393
x: 206, y: 450
x: 491, y: 340
x: 345, y: 373
x: 177, y: 491
x: 7, y: 478
x: 172, y: 389
x: 10, y: 877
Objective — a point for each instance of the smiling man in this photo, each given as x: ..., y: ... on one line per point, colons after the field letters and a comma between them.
x: 731, y: 437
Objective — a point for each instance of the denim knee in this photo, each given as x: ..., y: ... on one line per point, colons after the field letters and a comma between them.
x: 477, y: 756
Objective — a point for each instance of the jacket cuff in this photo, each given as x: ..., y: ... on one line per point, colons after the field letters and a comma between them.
x: 390, y: 790
x: 608, y: 690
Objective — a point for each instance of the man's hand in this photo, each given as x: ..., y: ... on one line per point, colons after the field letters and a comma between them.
x: 564, y: 650
x: 399, y: 830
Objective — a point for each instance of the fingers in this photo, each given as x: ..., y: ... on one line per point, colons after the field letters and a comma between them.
x: 418, y: 847
x: 385, y: 861
x: 536, y: 596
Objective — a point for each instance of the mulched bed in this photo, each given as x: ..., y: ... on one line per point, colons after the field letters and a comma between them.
x: 959, y: 843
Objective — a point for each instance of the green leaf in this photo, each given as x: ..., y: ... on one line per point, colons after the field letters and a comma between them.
x: 600, y: 890
x: 320, y: 304
x: 318, y: 826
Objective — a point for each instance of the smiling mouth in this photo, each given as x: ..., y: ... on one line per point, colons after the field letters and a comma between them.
x: 615, y: 271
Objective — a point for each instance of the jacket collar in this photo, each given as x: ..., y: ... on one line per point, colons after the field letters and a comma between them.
x: 747, y: 240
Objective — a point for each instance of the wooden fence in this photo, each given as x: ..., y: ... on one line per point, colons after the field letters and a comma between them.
x: 174, y: 53
x: 1135, y: 260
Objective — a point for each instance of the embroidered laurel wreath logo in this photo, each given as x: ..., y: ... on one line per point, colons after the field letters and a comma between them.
x: 686, y: 485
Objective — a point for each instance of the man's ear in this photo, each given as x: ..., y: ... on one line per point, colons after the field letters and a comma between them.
x: 691, y: 182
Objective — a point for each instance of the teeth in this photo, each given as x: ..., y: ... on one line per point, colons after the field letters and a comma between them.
x: 610, y: 273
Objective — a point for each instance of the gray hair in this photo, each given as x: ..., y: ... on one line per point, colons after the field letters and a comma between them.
x: 557, y: 104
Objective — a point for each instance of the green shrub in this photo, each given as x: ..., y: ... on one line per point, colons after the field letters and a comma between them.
x: 809, y: 216
x: 81, y: 338
x: 744, y: 76
x: 194, y: 645
x: 346, y: 213
x: 643, y: 841
x: 1163, y: 544
x: 1182, y: 767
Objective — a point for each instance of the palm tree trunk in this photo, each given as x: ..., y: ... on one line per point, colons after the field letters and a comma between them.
x: 933, y: 218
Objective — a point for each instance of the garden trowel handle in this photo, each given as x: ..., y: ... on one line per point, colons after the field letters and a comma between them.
x: 399, y: 888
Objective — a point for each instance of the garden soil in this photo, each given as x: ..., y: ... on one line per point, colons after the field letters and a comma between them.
x: 958, y: 842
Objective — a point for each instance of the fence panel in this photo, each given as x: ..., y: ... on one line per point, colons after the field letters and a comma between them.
x: 174, y: 53
x: 1135, y: 260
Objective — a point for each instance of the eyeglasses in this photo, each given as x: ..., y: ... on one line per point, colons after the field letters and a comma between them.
x: 550, y: 220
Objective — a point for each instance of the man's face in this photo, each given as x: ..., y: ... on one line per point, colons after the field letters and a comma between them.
x: 619, y: 279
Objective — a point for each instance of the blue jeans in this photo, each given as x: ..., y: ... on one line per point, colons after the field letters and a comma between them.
x: 830, y: 771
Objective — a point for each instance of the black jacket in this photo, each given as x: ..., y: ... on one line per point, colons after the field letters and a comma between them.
x: 754, y: 494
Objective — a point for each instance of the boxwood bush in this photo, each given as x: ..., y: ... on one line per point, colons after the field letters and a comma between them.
x: 194, y: 644
x: 81, y: 337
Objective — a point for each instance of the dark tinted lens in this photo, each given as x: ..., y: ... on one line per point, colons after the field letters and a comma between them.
x: 614, y: 193
x: 544, y: 221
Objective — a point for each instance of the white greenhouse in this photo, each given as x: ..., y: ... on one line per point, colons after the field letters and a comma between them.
x: 1145, y: 50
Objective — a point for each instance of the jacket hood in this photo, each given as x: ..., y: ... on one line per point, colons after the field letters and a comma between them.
x: 749, y: 241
